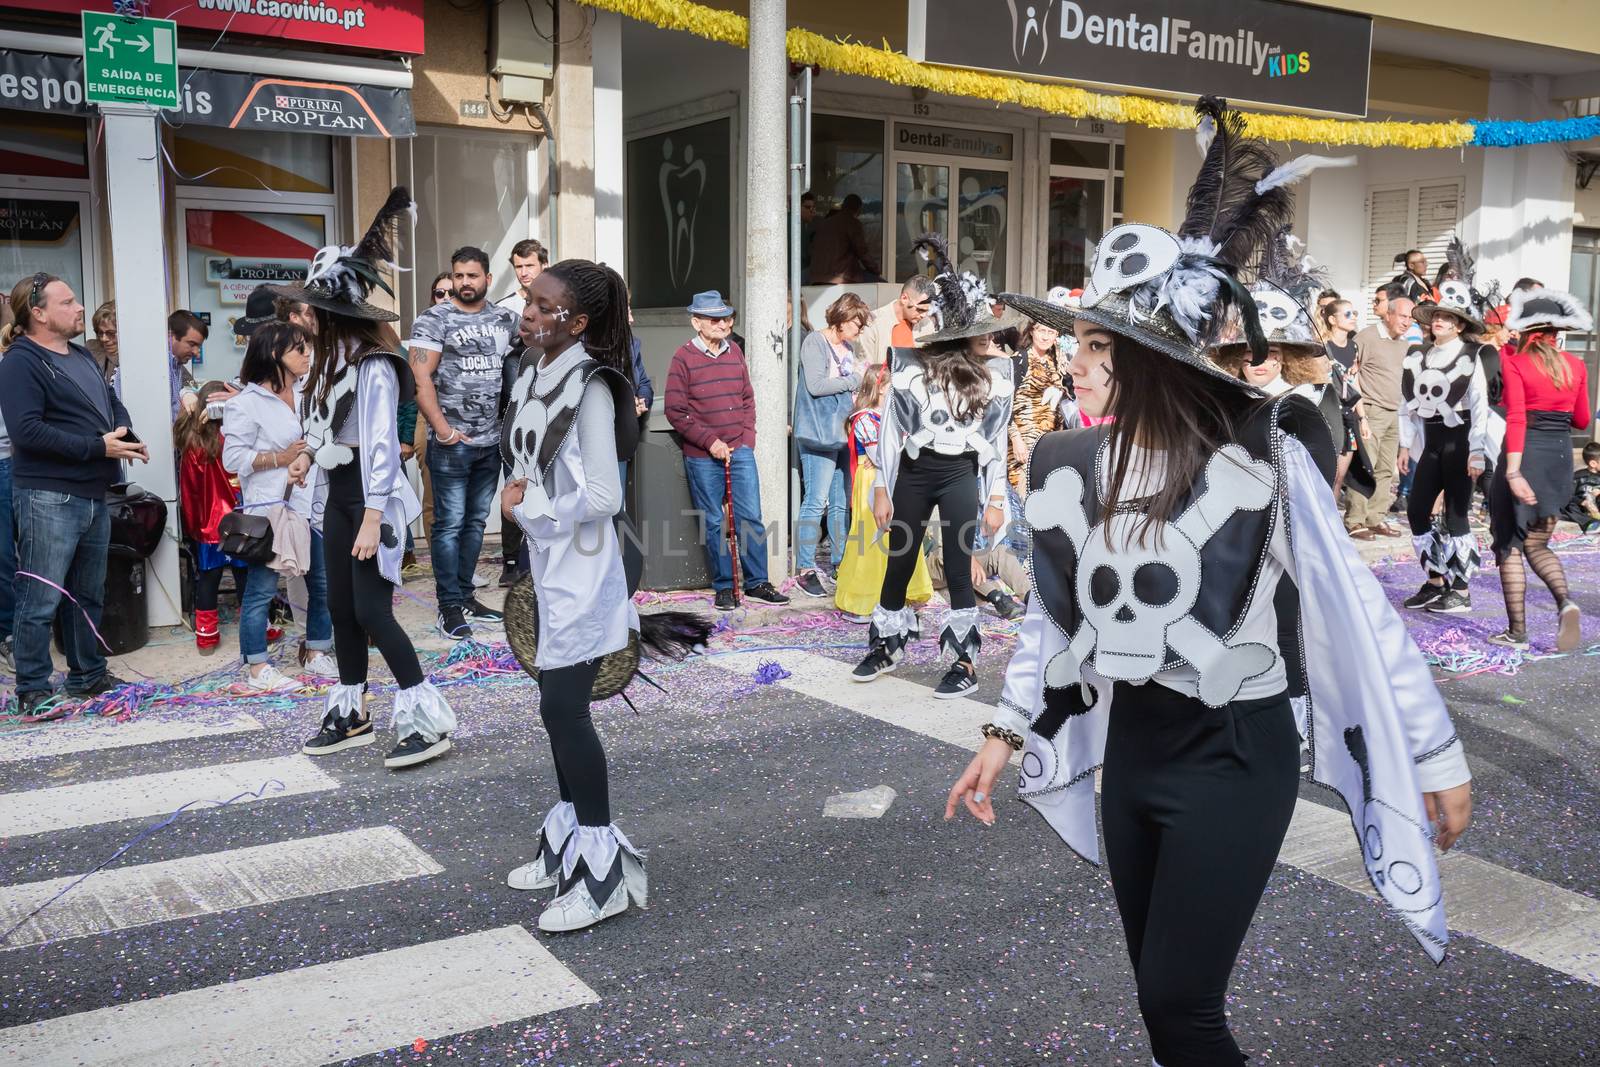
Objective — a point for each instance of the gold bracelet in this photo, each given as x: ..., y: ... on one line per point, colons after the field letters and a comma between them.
x: 1010, y: 737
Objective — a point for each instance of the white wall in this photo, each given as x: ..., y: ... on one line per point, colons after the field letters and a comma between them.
x: 1525, y: 224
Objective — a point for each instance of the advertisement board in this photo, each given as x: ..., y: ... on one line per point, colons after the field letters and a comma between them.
x: 374, y: 25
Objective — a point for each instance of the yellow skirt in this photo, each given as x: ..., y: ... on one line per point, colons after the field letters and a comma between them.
x: 865, y: 558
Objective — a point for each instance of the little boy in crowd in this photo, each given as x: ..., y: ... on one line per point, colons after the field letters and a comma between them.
x: 1584, y: 507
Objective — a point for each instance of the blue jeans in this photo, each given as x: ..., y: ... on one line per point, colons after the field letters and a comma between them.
x: 464, y: 477
x: 62, y: 538
x: 823, y: 489
x: 707, y: 485
x: 261, y: 585
x: 8, y: 552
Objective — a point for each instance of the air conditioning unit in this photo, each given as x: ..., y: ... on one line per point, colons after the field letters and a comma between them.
x: 522, y: 48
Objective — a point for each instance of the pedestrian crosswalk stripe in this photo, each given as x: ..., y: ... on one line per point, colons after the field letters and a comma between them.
x: 328, y: 1012
x: 1545, y: 923
x: 120, y: 897
x: 56, y: 739
x: 38, y: 811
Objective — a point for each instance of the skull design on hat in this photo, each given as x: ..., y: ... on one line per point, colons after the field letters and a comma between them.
x: 1129, y: 255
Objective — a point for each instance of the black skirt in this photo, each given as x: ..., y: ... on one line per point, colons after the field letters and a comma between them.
x: 1547, y: 465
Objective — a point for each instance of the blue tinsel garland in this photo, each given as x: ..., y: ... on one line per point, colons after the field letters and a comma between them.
x: 1495, y: 133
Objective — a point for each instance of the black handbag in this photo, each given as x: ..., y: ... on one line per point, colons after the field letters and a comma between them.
x: 247, y: 535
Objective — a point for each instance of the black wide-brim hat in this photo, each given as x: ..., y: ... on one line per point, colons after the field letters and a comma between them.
x: 1115, y: 313
x: 982, y: 324
x: 522, y: 634
x: 259, y: 310
x: 1424, y: 313
x: 337, y: 304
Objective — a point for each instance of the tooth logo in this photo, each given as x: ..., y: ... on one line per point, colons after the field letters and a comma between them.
x: 1030, y: 29
x: 681, y: 187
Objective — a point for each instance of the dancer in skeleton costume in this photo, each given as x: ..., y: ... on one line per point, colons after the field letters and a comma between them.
x: 946, y: 418
x: 1444, y: 433
x: 363, y: 501
x: 1547, y: 397
x: 570, y: 421
x: 1151, y: 650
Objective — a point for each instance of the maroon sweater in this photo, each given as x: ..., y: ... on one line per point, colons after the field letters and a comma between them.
x: 710, y: 398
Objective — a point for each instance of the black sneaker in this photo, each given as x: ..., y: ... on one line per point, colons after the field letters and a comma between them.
x: 1005, y: 605
x: 960, y: 679
x: 764, y: 592
x: 413, y: 750
x: 103, y: 684
x: 810, y: 584
x: 1454, y: 602
x: 453, y: 623
x: 477, y: 611
x: 338, y: 733
x: 1399, y: 506
x: 40, y: 706
x: 724, y: 600
x: 877, y: 661
x: 509, y: 576
x: 1424, y: 596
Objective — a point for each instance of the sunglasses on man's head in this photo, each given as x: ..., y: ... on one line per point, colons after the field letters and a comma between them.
x: 40, y: 280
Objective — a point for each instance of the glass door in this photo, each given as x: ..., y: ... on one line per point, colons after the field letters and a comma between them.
x: 982, y: 221
x: 1585, y: 283
x: 1076, y: 222
x: 922, y: 205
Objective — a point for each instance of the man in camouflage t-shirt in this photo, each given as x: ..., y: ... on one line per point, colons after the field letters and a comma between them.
x: 457, y: 350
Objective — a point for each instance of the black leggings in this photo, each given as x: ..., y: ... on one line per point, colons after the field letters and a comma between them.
x: 1441, y: 466
x: 580, y: 758
x: 207, y: 585
x: 1195, y: 804
x: 949, y: 483
x: 360, y: 599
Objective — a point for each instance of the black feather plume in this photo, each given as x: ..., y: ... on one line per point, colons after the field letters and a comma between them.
x: 1296, y: 274
x: 954, y: 310
x: 1225, y: 215
x: 1459, y: 260
x: 377, y: 246
x: 673, y: 634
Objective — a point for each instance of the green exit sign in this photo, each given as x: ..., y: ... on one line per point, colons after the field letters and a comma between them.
x: 130, y: 60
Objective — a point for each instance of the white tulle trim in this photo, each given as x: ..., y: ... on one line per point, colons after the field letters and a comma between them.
x: 422, y: 709
x: 559, y: 825
x: 344, y: 701
x: 598, y: 846
x: 902, y: 623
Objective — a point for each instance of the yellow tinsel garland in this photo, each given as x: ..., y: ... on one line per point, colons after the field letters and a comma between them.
x: 886, y: 65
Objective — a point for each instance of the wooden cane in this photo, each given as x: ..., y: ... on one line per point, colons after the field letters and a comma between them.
x: 731, y: 527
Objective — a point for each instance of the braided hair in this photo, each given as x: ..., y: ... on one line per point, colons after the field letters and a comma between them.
x: 600, y: 293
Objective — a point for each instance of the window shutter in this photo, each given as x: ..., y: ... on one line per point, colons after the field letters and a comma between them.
x: 1388, y: 234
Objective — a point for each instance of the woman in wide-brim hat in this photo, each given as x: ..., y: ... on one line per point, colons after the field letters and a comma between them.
x: 1546, y: 394
x: 1151, y: 651
x: 363, y: 501
x: 942, y: 444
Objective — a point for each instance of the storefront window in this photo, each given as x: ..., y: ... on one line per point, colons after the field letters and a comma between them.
x: 43, y: 146
x: 922, y: 205
x: 1066, y: 152
x: 1077, y: 211
x: 680, y: 237
x: 42, y: 232
x: 847, y: 157
x: 981, y: 225
x: 213, y: 157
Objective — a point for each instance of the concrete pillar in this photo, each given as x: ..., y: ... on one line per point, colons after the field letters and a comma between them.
x: 1148, y: 176
x: 572, y: 112
x: 610, y: 245
x: 1523, y: 225
x: 766, y: 259
x: 138, y: 263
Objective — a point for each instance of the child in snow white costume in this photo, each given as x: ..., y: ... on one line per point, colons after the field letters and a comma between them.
x: 946, y: 416
x: 570, y: 421
x: 1151, y: 645
x: 363, y: 501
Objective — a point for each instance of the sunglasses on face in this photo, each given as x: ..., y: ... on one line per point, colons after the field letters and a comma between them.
x: 440, y: 294
x: 1347, y: 314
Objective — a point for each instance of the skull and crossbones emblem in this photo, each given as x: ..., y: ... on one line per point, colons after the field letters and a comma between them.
x: 933, y: 425
x: 1430, y: 392
x: 1129, y: 255
x: 530, y: 417
x: 1136, y: 600
x: 1456, y: 295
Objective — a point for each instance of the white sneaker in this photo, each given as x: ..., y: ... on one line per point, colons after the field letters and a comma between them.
x: 576, y: 909
x: 533, y: 876
x: 479, y: 581
x: 269, y: 680
x: 321, y: 664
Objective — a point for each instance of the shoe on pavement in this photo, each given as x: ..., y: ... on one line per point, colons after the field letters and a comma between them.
x: 1383, y: 529
x: 810, y: 583
x: 340, y: 732
x: 41, y: 705
x: 1569, y: 630
x: 959, y: 680
x: 1362, y: 533
x: 879, y: 660
x: 413, y: 750
x: 586, y: 900
x: 1399, y: 505
x: 1424, y: 596
x: 453, y: 623
x: 1005, y: 605
x: 103, y: 684
x: 764, y: 592
x: 724, y: 600
x: 543, y: 873
x: 479, y: 581
x: 1511, y: 640
x: 1454, y: 602
x: 318, y: 662
x: 477, y: 611
x: 509, y: 576
x: 271, y: 680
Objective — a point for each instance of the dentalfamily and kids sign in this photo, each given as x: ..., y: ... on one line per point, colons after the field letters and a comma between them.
x: 1255, y: 51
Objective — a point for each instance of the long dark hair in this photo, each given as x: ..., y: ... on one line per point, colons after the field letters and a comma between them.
x: 1164, y: 405
x: 962, y: 376
x: 356, y: 338
x: 263, y: 360
x: 600, y: 293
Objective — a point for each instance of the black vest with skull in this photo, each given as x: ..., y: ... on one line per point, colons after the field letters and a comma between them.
x: 1434, y: 392
x: 1133, y: 611
x: 323, y: 420
x: 536, y: 424
x: 925, y: 416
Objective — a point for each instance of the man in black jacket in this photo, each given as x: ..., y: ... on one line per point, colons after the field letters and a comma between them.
x: 69, y: 433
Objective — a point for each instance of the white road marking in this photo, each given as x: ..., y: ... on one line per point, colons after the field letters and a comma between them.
x: 121, y: 897
x: 38, y: 811
x: 326, y: 1013
x: 54, y: 739
x: 1545, y: 923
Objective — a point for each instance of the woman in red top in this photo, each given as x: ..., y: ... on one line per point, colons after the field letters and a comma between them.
x: 1546, y: 394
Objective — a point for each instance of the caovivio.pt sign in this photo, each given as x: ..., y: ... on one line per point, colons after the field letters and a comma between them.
x: 1256, y: 51
x: 376, y: 25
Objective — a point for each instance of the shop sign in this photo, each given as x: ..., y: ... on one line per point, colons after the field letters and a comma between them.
x: 679, y: 202
x: 37, y: 221
x: 236, y: 279
x: 130, y: 60
x: 951, y: 141
x: 1257, y: 51
x: 35, y: 81
x: 377, y: 25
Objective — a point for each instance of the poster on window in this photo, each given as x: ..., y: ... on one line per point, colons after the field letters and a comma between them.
x: 39, y: 234
x: 229, y: 253
x: 680, y: 239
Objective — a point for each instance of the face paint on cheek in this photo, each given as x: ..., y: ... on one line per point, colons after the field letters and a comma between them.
x: 1105, y: 375
x: 560, y: 314
x: 540, y: 334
